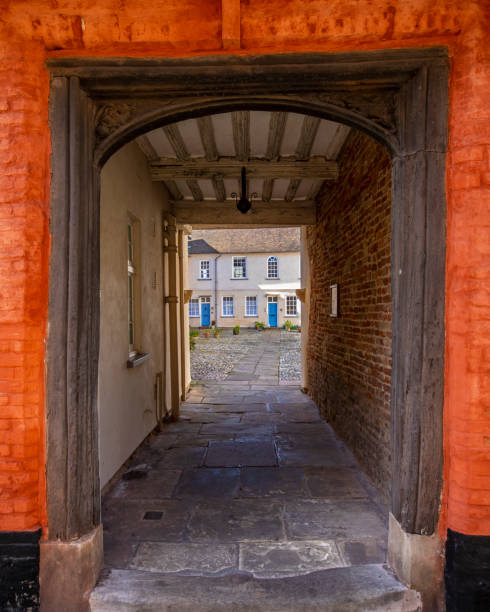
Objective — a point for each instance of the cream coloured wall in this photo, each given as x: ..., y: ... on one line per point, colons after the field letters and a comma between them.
x: 256, y: 284
x: 126, y: 396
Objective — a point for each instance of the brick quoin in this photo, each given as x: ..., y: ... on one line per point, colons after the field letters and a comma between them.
x: 32, y: 31
x: 349, y: 356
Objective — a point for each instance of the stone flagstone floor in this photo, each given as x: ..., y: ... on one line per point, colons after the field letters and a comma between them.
x: 249, y: 481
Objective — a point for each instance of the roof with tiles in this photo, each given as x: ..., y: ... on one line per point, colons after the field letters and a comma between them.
x: 258, y: 240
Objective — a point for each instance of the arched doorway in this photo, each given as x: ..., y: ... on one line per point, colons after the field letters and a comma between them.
x: 397, y: 97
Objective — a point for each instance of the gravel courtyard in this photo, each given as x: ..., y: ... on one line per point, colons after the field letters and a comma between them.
x: 272, y: 356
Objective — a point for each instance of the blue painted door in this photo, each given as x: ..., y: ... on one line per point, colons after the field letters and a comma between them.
x: 205, y: 314
x: 272, y: 314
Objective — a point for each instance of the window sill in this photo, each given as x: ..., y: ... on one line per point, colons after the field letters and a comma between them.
x: 137, y: 360
x: 272, y: 278
x: 241, y: 278
x: 254, y: 316
x: 227, y: 316
x: 204, y: 279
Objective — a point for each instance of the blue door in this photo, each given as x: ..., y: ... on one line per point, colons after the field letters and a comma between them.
x: 272, y: 314
x: 205, y: 314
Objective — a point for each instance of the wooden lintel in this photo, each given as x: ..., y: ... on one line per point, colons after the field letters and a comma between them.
x: 199, y: 168
x: 262, y: 214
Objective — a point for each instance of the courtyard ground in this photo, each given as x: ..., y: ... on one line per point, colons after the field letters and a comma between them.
x: 271, y: 356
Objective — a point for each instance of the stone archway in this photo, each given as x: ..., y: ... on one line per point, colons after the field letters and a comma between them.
x: 398, y: 97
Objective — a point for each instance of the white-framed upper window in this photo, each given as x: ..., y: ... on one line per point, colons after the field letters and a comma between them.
x: 194, y: 307
x: 204, y: 269
x: 239, y: 267
x: 272, y: 267
x: 291, y: 306
x: 251, y: 306
x: 227, y: 306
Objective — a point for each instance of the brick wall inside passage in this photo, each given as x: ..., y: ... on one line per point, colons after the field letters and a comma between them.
x: 350, y: 356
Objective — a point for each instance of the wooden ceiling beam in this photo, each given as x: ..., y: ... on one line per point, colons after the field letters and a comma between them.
x: 174, y: 191
x: 206, y: 131
x: 262, y: 214
x: 199, y: 168
x: 146, y: 147
x: 241, y: 134
x: 309, y: 131
x: 177, y: 143
x: 277, y: 128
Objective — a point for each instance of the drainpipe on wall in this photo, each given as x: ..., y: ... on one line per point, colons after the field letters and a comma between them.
x: 216, y: 290
x: 172, y: 299
x: 184, y: 327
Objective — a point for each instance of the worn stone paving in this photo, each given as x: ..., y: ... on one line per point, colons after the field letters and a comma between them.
x: 249, y: 481
x: 267, y: 357
x: 290, y: 357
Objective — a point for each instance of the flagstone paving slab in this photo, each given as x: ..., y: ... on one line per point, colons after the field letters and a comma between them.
x: 274, y: 560
x: 206, y: 483
x: 237, y: 453
x: 273, y: 482
x: 241, y: 520
x: 187, y: 558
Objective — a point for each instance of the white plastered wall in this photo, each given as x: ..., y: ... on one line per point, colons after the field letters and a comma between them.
x: 256, y: 284
x: 126, y: 397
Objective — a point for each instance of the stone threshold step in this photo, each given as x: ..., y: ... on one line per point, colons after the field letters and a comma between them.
x: 361, y: 588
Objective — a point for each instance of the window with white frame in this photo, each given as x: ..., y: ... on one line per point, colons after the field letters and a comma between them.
x: 239, y: 268
x: 204, y: 270
x: 251, y: 306
x: 132, y: 286
x: 291, y: 306
x: 194, y: 307
x: 227, y: 308
x: 272, y: 267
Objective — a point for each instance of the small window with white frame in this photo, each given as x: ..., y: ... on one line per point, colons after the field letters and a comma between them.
x: 239, y: 267
x: 133, y: 288
x: 204, y: 269
x: 251, y: 306
x: 194, y: 307
x: 272, y: 267
x: 291, y: 306
x: 227, y: 306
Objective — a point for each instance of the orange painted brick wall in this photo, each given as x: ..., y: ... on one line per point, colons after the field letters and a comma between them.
x: 32, y: 30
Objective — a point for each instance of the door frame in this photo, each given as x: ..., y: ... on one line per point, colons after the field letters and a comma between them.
x: 399, y: 97
x: 202, y: 300
x: 277, y: 310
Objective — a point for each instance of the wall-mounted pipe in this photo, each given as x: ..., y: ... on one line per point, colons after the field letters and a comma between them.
x: 172, y: 299
x: 159, y: 403
x: 183, y: 339
x: 216, y: 290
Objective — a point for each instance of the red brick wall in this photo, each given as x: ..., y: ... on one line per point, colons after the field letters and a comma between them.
x: 349, y: 356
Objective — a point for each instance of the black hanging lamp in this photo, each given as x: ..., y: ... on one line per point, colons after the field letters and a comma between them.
x: 243, y: 204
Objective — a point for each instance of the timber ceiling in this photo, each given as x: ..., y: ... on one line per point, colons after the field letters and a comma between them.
x: 288, y: 156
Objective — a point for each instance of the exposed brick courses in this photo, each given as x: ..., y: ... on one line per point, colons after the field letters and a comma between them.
x: 349, y: 356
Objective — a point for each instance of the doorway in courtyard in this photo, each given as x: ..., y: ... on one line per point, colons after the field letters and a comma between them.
x: 246, y: 482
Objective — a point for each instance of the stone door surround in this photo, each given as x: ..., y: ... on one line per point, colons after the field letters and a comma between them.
x: 399, y: 97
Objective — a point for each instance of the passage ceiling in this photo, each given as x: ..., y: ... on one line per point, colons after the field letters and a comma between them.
x: 288, y: 156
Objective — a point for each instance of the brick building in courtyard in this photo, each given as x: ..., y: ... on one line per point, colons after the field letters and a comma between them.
x: 399, y: 365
